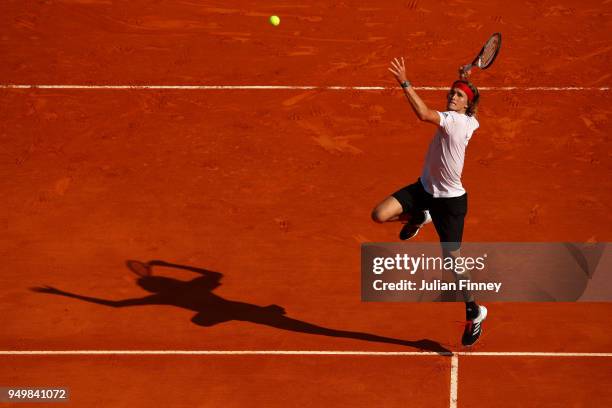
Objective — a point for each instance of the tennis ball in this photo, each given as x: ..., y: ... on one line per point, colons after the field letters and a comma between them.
x: 274, y: 20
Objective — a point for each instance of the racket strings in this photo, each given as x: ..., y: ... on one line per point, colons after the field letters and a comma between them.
x: 489, y: 52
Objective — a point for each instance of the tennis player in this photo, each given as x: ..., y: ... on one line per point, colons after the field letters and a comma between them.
x: 438, y: 194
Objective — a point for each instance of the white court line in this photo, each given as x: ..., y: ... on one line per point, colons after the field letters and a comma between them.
x: 303, y: 352
x: 454, y: 379
x: 294, y: 87
x: 223, y: 352
x: 454, y: 369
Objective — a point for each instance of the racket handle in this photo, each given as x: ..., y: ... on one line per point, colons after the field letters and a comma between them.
x: 465, y: 71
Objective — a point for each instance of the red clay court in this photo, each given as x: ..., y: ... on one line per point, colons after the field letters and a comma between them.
x: 250, y: 156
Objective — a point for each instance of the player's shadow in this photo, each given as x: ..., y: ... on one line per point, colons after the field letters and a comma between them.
x: 197, y: 295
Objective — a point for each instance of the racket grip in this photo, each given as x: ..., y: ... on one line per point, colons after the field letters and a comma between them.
x: 465, y: 71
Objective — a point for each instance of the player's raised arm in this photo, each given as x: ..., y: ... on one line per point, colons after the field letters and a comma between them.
x: 147, y: 300
x: 398, y: 69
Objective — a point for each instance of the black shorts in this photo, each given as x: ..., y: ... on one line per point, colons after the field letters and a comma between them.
x: 447, y: 214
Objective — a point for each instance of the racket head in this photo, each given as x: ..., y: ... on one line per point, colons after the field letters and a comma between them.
x: 139, y: 268
x: 489, y: 52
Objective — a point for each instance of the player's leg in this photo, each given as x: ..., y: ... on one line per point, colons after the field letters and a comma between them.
x: 448, y: 216
x: 404, y: 205
x: 415, y: 203
x: 390, y: 209
x: 408, y: 206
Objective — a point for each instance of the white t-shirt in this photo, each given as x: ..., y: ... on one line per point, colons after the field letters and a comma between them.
x: 441, y: 174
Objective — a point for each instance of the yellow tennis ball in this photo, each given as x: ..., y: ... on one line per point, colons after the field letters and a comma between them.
x: 274, y: 20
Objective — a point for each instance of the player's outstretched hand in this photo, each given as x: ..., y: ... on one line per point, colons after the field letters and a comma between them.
x: 398, y: 69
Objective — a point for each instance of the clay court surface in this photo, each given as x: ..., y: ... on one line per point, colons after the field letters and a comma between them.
x: 269, y: 191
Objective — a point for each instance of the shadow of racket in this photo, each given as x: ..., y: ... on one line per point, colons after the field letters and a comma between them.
x: 139, y: 268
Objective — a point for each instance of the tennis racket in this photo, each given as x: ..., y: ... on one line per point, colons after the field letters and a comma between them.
x: 485, y: 57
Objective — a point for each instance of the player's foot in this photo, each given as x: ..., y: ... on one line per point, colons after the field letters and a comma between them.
x: 409, y: 231
x: 412, y: 228
x: 473, y: 328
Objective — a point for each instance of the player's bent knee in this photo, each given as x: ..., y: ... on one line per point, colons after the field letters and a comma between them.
x: 378, y: 216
